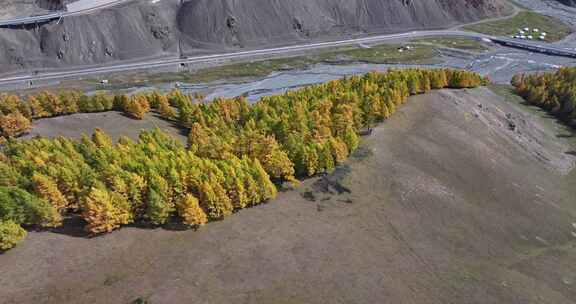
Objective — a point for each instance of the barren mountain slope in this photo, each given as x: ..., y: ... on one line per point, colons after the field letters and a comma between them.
x: 122, y: 33
x: 23, y: 8
x: 141, y: 29
x: 18, y: 8
x: 53, y: 4
x: 568, y: 2
x: 253, y: 22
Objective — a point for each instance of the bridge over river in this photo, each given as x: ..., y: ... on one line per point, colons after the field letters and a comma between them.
x: 548, y: 49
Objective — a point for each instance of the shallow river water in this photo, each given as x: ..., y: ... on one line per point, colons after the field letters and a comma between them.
x: 500, y: 65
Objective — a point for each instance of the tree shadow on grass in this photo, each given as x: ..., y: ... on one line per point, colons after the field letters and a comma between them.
x: 173, y: 124
x: 72, y: 226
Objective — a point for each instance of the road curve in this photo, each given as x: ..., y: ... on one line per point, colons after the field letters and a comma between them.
x: 274, y: 51
x: 76, y: 8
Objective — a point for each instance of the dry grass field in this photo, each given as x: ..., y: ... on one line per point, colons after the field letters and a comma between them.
x: 444, y: 203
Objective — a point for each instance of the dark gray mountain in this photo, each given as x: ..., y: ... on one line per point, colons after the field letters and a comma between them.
x: 568, y: 2
x: 140, y: 29
x: 248, y: 23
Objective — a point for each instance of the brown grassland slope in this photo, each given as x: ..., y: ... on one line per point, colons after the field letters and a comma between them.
x: 234, y: 154
x: 444, y: 203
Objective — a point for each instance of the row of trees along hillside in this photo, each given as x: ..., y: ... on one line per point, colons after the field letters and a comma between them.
x: 555, y: 92
x: 17, y: 114
x: 236, y: 151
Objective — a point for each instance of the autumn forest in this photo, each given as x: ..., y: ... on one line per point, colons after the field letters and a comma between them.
x: 236, y: 156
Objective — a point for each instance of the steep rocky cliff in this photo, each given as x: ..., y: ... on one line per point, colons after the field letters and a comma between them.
x: 142, y: 29
x: 568, y: 2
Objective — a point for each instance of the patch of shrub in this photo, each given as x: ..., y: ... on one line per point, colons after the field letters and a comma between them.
x: 554, y: 92
x: 23, y: 208
x: 13, y: 124
x: 10, y: 234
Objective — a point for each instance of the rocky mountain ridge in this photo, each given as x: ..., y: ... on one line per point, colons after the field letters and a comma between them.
x: 142, y: 29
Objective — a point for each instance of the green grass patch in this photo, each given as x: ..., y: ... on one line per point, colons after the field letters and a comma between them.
x: 385, y: 53
x: 461, y: 43
x: 555, y: 28
x: 377, y: 54
x: 507, y: 92
x: 238, y: 70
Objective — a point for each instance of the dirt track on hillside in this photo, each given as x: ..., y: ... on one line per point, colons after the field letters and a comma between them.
x: 442, y: 204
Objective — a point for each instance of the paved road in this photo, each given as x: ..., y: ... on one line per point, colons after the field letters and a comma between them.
x: 87, y: 6
x: 272, y: 51
x: 31, y: 20
x: 76, y: 8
